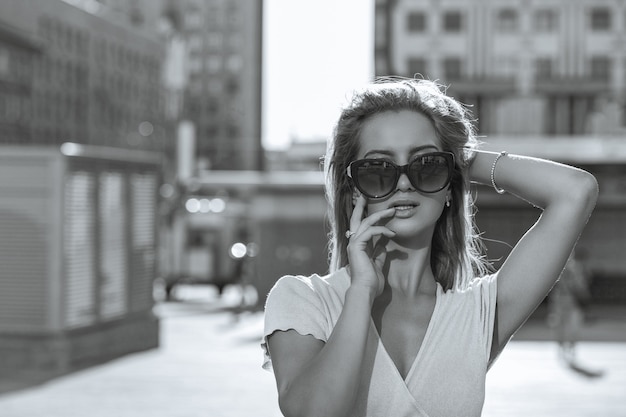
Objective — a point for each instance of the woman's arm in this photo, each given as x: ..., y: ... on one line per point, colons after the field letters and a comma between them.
x: 321, y: 379
x: 567, y: 196
x: 316, y: 379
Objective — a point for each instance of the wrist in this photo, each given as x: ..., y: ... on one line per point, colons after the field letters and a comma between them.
x: 470, y: 155
x: 480, y: 170
x: 361, y: 292
x: 492, y: 175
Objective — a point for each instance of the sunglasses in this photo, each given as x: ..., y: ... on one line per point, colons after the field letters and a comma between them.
x: 377, y: 178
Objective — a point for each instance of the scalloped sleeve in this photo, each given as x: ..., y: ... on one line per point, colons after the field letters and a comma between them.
x: 294, y: 303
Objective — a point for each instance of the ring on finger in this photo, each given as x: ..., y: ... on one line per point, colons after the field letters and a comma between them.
x: 349, y: 234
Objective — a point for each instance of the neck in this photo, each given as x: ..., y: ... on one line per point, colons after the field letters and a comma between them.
x: 410, y: 274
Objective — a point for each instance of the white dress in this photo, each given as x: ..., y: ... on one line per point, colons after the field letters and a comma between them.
x: 448, y: 375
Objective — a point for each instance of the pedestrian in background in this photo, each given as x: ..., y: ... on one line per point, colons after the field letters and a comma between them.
x: 567, y: 304
x: 411, y: 315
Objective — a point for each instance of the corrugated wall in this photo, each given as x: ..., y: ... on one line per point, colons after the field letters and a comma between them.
x: 24, y: 252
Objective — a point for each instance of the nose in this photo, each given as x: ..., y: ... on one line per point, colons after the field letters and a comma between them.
x: 404, y: 184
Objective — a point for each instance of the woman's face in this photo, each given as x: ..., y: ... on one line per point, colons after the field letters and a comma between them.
x: 400, y: 137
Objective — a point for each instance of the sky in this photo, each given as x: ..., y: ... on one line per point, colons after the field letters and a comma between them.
x: 315, y: 53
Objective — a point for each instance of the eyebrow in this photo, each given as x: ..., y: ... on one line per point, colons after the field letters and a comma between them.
x: 390, y: 153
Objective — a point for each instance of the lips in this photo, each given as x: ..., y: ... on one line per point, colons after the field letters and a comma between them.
x: 404, y: 209
x: 404, y: 204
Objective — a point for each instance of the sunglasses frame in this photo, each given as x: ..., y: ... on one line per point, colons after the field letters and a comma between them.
x: 402, y: 169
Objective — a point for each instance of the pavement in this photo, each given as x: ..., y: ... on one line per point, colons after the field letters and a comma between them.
x: 208, y: 365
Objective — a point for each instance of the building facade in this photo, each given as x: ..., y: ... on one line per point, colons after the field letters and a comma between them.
x: 543, y: 77
x: 554, y: 67
x: 223, y: 93
x: 18, y: 53
x: 95, y: 78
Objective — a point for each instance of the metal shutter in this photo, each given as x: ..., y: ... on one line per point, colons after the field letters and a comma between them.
x: 143, y: 199
x: 113, y: 246
x: 79, y: 247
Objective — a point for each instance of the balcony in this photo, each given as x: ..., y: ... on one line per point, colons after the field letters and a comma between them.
x: 572, y: 85
x: 484, y: 86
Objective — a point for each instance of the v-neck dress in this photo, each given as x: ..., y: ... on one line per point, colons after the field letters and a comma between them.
x: 448, y: 375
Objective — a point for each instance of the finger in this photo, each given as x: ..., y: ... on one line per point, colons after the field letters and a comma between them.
x: 361, y: 239
x: 379, y: 254
x: 357, y: 213
x: 378, y: 216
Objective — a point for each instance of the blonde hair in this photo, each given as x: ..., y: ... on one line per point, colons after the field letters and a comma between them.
x: 457, y: 251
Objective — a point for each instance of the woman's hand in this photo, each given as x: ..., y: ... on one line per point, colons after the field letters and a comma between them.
x: 366, y: 248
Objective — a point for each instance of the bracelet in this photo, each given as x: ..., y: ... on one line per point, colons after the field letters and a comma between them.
x: 493, y: 172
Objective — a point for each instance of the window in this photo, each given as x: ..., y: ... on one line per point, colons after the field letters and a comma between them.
x: 215, y: 40
x: 193, y: 20
x: 506, y: 67
x: 213, y: 63
x: 232, y: 131
x: 214, y: 87
x: 600, y: 19
x: 507, y: 20
x: 234, y: 63
x: 543, y: 68
x: 416, y: 22
x: 192, y: 109
x: 416, y: 66
x: 234, y: 41
x: 452, y: 68
x: 195, y: 42
x: 545, y: 21
x: 233, y: 19
x: 600, y: 68
x: 231, y: 87
x: 194, y: 64
x: 211, y: 131
x: 212, y: 106
x: 452, y: 21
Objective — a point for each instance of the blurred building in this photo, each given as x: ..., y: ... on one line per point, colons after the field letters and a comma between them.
x: 527, y: 67
x: 78, y: 224
x: 93, y: 75
x: 223, y: 92
x: 299, y: 156
x: 18, y: 52
x: 543, y: 78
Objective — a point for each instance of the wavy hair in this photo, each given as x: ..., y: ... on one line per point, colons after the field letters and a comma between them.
x: 457, y: 250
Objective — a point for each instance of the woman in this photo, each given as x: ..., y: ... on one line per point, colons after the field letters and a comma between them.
x: 411, y: 316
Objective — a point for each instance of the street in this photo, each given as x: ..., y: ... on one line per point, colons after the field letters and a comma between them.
x: 208, y: 365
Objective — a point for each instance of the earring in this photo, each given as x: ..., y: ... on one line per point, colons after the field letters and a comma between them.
x: 447, y: 201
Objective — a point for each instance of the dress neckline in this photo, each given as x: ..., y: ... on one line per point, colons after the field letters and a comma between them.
x: 420, y: 350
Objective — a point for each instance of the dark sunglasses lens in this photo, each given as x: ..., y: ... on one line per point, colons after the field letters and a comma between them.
x: 376, y: 178
x: 430, y: 173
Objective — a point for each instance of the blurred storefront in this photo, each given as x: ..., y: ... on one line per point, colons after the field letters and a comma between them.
x: 287, y: 212
x: 504, y: 219
x: 78, y: 241
x: 268, y: 224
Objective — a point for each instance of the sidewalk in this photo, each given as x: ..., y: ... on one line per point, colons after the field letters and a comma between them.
x: 208, y: 365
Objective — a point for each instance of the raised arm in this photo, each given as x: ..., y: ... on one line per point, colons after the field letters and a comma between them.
x: 566, y: 196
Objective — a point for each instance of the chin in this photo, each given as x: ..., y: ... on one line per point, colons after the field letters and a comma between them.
x: 413, y: 232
